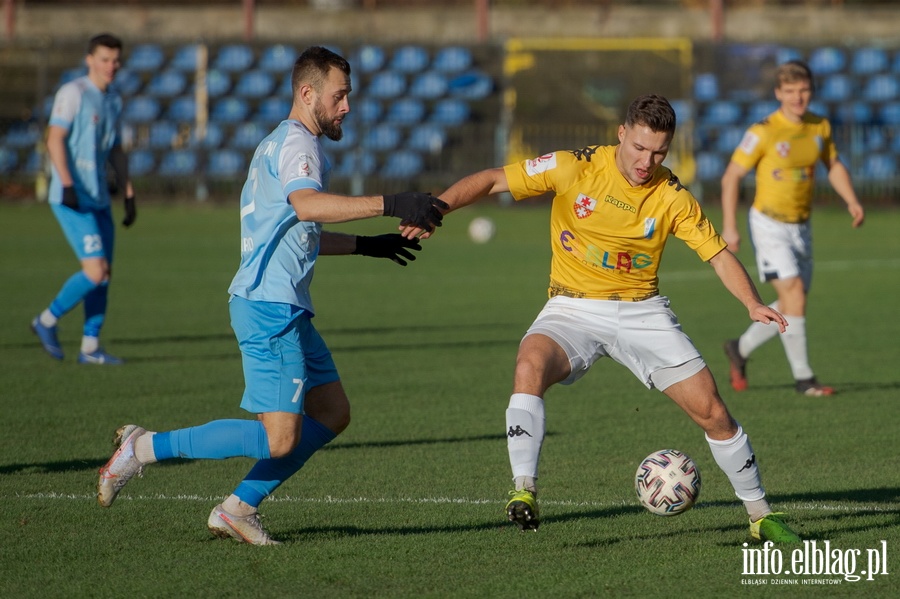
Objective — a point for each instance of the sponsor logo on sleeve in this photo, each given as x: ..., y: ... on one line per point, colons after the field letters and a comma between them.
x: 540, y: 164
x: 749, y: 142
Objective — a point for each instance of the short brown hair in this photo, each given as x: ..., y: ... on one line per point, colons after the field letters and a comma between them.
x: 653, y: 111
x: 312, y: 67
x: 106, y: 40
x: 793, y: 71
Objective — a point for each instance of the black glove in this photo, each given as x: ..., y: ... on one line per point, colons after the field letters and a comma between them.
x: 70, y: 198
x: 392, y: 245
x: 422, y: 210
x: 130, y: 211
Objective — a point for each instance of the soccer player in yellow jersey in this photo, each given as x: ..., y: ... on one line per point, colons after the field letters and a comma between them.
x: 613, y: 211
x: 784, y: 149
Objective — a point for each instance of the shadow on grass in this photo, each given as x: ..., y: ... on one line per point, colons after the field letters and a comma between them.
x: 841, y: 389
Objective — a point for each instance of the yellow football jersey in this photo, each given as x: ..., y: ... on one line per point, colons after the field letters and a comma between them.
x: 607, y: 237
x: 785, y: 155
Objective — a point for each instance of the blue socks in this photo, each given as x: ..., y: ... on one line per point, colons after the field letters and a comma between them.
x: 214, y: 440
x: 268, y: 474
x: 95, y: 309
x: 75, y: 289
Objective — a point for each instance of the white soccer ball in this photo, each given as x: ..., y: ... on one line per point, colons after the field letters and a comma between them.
x: 482, y: 229
x: 667, y: 482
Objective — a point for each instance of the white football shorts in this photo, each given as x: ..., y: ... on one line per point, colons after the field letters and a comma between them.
x: 783, y: 250
x: 643, y: 336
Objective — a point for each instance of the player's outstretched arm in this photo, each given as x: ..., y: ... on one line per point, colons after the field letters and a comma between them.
x: 393, y: 246
x: 418, y: 209
x: 731, y: 179
x: 464, y: 192
x: 735, y: 278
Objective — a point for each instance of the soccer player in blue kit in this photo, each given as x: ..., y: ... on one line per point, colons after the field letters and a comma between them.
x: 291, y: 382
x: 84, y: 134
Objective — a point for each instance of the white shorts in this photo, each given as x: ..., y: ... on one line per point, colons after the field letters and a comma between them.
x: 783, y: 250
x: 644, y: 336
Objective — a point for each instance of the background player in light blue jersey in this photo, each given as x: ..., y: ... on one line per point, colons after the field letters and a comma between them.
x: 84, y: 134
x: 291, y: 382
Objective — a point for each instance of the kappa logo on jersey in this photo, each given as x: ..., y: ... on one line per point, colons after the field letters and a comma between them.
x: 749, y: 142
x: 303, y: 168
x: 584, y: 206
x: 585, y: 153
x: 540, y: 164
x: 620, y: 204
x: 783, y: 148
x: 674, y: 182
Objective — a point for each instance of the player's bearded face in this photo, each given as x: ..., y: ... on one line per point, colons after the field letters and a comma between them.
x: 640, y: 152
x: 329, y: 124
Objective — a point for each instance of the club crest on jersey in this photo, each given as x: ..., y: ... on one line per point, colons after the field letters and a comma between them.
x: 783, y: 148
x: 303, y: 168
x: 540, y: 164
x: 584, y: 206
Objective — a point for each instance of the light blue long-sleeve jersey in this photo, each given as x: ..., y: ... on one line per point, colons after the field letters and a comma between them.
x: 278, y: 251
x: 93, y: 121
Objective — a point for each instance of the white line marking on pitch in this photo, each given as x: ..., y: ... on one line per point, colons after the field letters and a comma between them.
x: 801, y: 506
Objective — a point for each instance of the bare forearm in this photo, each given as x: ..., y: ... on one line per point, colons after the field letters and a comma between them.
x: 735, y: 278
x: 478, y: 185
x: 322, y: 207
x: 56, y: 150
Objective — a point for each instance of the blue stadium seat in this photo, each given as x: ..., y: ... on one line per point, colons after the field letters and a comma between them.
x: 248, y: 135
x: 34, y: 163
x: 784, y: 54
x: 471, y: 85
x: 367, y: 110
x: 706, y: 87
x: 429, y: 85
x: 178, y: 163
x: 402, y: 164
x: 381, y: 138
x: 218, y: 83
x: 233, y: 58
x: 895, y: 143
x: 272, y: 110
x: 427, y: 137
x: 722, y: 112
x: 760, y: 110
x: 710, y: 166
x: 875, y: 139
x: 355, y: 163
x: 8, y: 160
x: 145, y: 57
x: 449, y: 112
x: 405, y: 112
x: 820, y: 108
x: 166, y: 84
x: 182, y: 109
x: 890, y: 114
x: 836, y: 88
x: 229, y: 110
x: 22, y: 134
x: 386, y: 84
x: 729, y: 139
x: 881, y: 88
x: 452, y: 59
x: 214, y: 136
x: 869, y: 60
x: 185, y: 58
x: 286, y: 89
x: 827, y: 61
x: 684, y: 111
x: 409, y: 59
x: 163, y: 135
x: 368, y: 59
x: 254, y: 83
x: 226, y: 164
x: 278, y: 58
x: 140, y: 162
x: 127, y: 82
x: 141, y: 109
x: 879, y: 167
x: 853, y: 113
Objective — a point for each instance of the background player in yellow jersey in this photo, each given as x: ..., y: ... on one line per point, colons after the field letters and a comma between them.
x: 613, y: 211
x: 784, y: 148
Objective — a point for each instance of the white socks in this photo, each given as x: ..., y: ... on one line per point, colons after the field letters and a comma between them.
x: 525, y: 434
x: 47, y: 319
x: 757, y: 334
x: 736, y: 459
x: 89, y: 344
x: 143, y: 448
x: 794, y: 341
x: 234, y: 506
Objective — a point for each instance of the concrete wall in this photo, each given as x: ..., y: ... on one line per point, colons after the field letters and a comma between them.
x: 44, y: 25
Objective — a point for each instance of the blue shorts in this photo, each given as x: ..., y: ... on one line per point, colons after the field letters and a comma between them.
x: 282, y: 353
x: 90, y: 232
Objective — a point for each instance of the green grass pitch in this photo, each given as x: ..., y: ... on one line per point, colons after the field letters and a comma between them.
x: 408, y: 502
